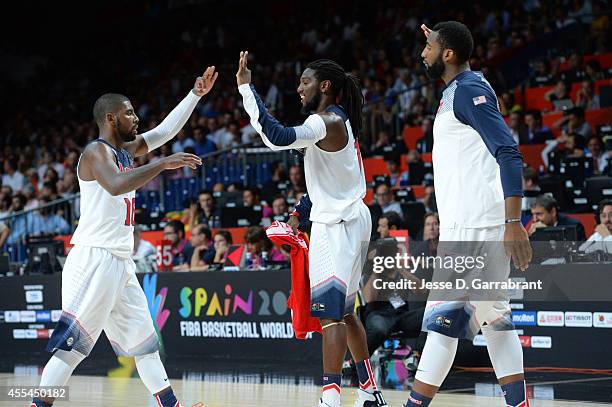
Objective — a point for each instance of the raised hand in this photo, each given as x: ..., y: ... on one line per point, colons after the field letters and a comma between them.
x: 180, y: 160
x: 426, y: 30
x: 204, y: 83
x: 243, y: 76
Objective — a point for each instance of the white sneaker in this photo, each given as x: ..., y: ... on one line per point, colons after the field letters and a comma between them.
x: 366, y: 399
x: 323, y: 404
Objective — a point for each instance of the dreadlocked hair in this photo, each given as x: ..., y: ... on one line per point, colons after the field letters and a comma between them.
x: 345, y: 87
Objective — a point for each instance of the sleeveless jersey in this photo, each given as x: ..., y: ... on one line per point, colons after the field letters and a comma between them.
x: 107, y: 221
x: 335, y: 180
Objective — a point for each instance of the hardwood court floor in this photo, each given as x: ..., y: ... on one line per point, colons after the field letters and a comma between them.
x: 121, y: 392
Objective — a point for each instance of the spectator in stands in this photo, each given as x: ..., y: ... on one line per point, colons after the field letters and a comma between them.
x: 205, y: 211
x: 396, y: 178
x: 574, y: 122
x: 250, y: 197
x: 545, y: 212
x: 280, y: 208
x: 259, y: 246
x: 542, y: 75
x: 565, y: 146
x: 598, y: 154
x: 383, y: 144
x: 142, y: 248
x: 559, y: 96
x: 537, y: 132
x: 296, y: 180
x: 574, y: 73
x: 385, y: 199
x: 602, y: 238
x: 201, y: 144
x: 12, y: 177
x: 174, y: 231
x: 5, y: 232
x: 593, y: 71
x: 47, y: 222
x: 49, y: 190
x: 21, y: 225
x: 203, y: 248
x: 388, y: 312
x: 49, y: 160
x: 278, y: 182
x: 386, y: 222
x: 431, y: 228
x: 531, y: 182
x: 586, y: 97
x: 5, y: 202
x: 218, y: 135
x: 234, y: 129
x: 518, y: 129
x: 425, y: 143
x: 429, y: 198
x: 222, y: 243
x: 30, y: 193
x: 181, y: 142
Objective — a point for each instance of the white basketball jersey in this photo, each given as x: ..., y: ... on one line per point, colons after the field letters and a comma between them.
x: 107, y: 221
x: 335, y: 180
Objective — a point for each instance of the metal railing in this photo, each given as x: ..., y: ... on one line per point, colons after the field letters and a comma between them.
x: 54, y: 218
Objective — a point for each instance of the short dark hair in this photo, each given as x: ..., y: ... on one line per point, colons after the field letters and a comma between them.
x: 537, y: 115
x: 203, y: 229
x: 206, y: 191
x: 107, y: 103
x: 226, y: 234
x: 530, y: 174
x: 547, y: 202
x: 603, y: 204
x: 456, y: 36
x: 177, y: 226
x: 256, y: 234
x: 393, y: 219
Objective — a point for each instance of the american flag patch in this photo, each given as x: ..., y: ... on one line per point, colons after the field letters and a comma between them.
x: 479, y: 99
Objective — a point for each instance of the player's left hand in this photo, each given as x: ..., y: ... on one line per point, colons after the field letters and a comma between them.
x: 243, y: 76
x: 294, y: 222
x: 204, y: 83
x: 516, y: 243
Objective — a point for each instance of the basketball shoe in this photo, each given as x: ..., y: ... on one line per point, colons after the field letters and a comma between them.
x: 366, y: 399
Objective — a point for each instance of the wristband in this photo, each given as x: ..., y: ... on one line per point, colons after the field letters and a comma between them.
x: 513, y: 220
x: 295, y: 213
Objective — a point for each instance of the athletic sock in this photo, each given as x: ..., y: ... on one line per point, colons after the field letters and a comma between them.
x: 366, y: 376
x: 39, y: 403
x: 166, y: 399
x: 515, y: 394
x: 417, y: 400
x: 331, y: 389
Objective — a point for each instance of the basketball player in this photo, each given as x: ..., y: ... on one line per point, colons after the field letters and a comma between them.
x: 478, y: 180
x: 99, y: 286
x: 341, y: 222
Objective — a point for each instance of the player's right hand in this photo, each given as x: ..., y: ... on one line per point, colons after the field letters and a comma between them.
x: 243, y: 76
x: 180, y: 160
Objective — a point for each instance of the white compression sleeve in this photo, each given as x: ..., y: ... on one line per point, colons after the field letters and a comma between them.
x: 505, y: 351
x: 171, y: 125
x: 437, y: 358
x: 152, y: 372
x: 60, y: 367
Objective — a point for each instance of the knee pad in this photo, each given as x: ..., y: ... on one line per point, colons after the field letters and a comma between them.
x: 437, y: 358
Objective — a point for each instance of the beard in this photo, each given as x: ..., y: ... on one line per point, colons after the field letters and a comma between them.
x: 313, y: 104
x: 435, y: 71
x: 126, y: 135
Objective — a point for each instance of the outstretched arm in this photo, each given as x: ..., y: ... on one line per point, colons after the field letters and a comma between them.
x: 97, y: 163
x: 274, y: 134
x: 176, y: 119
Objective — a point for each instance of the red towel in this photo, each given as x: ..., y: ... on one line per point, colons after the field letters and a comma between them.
x: 299, y: 298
